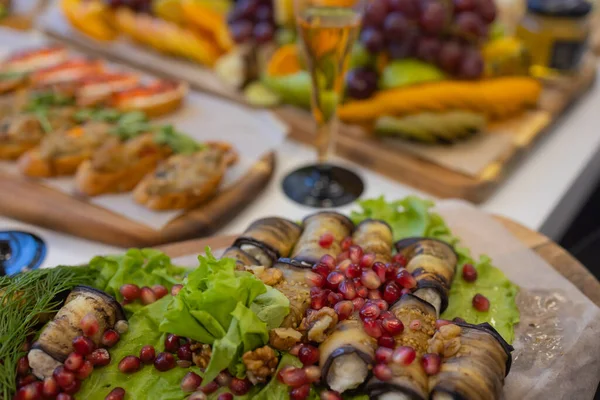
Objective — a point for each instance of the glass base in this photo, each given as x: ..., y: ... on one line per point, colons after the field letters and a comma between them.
x: 20, y: 252
x: 323, y: 186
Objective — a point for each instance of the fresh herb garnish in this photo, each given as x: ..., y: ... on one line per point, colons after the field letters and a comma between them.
x: 40, y: 103
x: 177, y: 141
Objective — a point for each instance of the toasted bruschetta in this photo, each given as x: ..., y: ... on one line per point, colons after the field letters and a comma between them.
x: 119, y: 166
x: 185, y: 180
x: 68, y: 71
x: 32, y: 60
x: 61, y: 152
x: 96, y: 89
x: 158, y: 98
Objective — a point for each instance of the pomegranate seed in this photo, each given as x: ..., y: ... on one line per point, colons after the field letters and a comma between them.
x: 326, y: 240
x: 346, y: 243
x: 355, y: 254
x: 308, y: 355
x: 172, y: 343
x: 293, y: 377
x: 313, y: 373
x: 296, y: 349
x: 130, y: 364
x: 347, y: 289
x: 481, y: 303
x: 392, y: 325
x: 147, y: 354
x: 225, y: 396
x: 63, y: 377
x: 23, y: 366
x: 73, y: 362
x: 26, y: 380
x: 334, y: 298
x: 223, y: 378
x: 117, y: 393
x: 147, y: 296
x: 321, y: 269
x: 184, y: 352
x: 381, y: 304
x: 386, y: 341
x: 441, y: 322
x: 399, y: 258
x: 210, y: 387
x: 391, y: 293
x: 382, y: 372
x: 197, y: 396
x: 343, y: 266
x: 469, y: 273
x: 84, y: 371
x: 372, y: 327
x: 404, y: 355
x: 164, y: 362
x: 130, y: 292
x: 344, y: 309
x: 369, y: 310
x: 50, y: 387
x: 190, y: 382
x: 300, y: 393
x: 122, y: 327
x: 330, y: 395
x: 405, y: 279
x: 386, y: 314
x: 110, y: 338
x: 344, y: 255
x: 380, y: 269
x: 160, y: 291
x: 31, y: 391
x: 73, y: 387
x: 240, y: 387
x: 83, y: 345
x: 362, y: 291
x: 390, y: 271
x: 415, y: 325
x: 334, y: 279
x: 370, y: 279
x: 176, y: 289
x: 431, y: 363
x: 458, y: 319
x: 383, y: 355
x: 314, y: 279
x: 328, y: 261
x: 99, y: 358
x: 89, y: 324
x: 374, y: 294
x: 358, y: 303
x: 367, y: 260
x: 353, y: 271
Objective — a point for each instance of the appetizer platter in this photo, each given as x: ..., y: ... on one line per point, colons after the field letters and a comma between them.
x: 332, y: 307
x: 79, y: 132
x: 438, y: 96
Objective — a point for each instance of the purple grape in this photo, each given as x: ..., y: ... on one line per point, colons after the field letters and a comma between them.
x: 264, y: 13
x: 428, y: 48
x: 247, y: 8
x: 361, y: 83
x: 434, y: 18
x: 263, y: 32
x: 410, y: 8
x: 403, y: 49
x: 471, y: 66
x: 372, y: 39
x: 450, y: 56
x: 375, y: 13
x: 395, y: 26
x: 469, y: 25
x: 487, y: 10
x: 241, y: 30
x: 464, y: 5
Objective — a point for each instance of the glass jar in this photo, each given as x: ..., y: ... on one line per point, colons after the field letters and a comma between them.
x: 555, y: 33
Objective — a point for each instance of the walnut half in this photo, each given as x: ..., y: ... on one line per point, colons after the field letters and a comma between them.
x: 260, y: 364
x: 319, y: 324
x: 284, y: 338
x: 201, y: 354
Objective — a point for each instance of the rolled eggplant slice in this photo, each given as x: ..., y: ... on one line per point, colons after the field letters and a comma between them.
x: 432, y: 262
x: 408, y: 383
x: 410, y: 308
x: 242, y: 259
x: 477, y: 366
x: 375, y: 236
x: 347, y: 356
x: 268, y: 239
x: 295, y: 289
x: 308, y: 250
x: 55, y: 341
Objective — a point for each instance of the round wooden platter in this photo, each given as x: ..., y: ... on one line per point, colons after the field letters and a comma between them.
x: 555, y: 255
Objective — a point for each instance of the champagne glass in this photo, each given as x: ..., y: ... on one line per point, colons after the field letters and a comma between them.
x: 327, y: 30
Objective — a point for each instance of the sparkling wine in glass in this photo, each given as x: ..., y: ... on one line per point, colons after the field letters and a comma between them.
x: 327, y: 30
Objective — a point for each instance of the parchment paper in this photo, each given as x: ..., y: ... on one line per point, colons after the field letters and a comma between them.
x: 557, y: 346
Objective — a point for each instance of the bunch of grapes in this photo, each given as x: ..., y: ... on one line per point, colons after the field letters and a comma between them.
x: 442, y: 32
x: 252, y: 20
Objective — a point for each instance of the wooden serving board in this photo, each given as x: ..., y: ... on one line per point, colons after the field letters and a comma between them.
x: 32, y: 202
x: 555, y: 255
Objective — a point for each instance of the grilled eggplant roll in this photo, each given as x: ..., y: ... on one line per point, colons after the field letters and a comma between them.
x: 375, y: 236
x: 242, y: 259
x: 293, y: 287
x: 408, y: 382
x: 55, y: 341
x: 308, y: 250
x: 433, y: 263
x: 475, y: 361
x: 268, y: 239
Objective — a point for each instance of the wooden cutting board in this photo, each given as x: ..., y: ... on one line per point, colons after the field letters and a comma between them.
x: 555, y: 255
x: 26, y: 200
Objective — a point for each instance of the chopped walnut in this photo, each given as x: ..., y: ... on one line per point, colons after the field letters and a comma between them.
x: 284, y: 338
x: 201, y: 354
x: 260, y: 364
x: 451, y: 347
x: 449, y: 331
x: 446, y: 341
x: 269, y: 276
x: 319, y: 324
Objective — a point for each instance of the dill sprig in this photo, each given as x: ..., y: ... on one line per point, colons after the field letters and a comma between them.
x: 25, y: 298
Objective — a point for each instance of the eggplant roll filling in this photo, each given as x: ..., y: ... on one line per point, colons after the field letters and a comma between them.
x: 268, y: 239
x: 242, y: 259
x: 475, y: 361
x: 308, y: 250
x: 375, y: 236
x: 295, y: 289
x: 432, y: 263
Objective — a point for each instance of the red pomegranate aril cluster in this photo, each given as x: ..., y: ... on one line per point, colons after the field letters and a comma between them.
x: 469, y: 273
x: 30, y: 391
x: 481, y: 303
x: 146, y: 295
